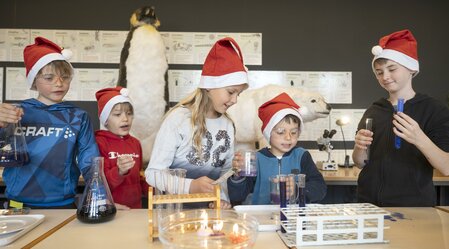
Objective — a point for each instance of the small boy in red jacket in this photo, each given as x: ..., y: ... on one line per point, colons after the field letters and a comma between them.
x: 122, y: 152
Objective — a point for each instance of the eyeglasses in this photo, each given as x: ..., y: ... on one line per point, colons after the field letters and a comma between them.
x: 282, y: 132
x: 51, y: 79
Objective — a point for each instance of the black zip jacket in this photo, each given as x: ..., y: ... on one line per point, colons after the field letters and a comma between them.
x: 402, y: 177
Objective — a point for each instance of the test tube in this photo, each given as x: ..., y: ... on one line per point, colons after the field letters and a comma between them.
x: 180, y: 179
x: 283, y: 196
x: 292, y: 192
x: 400, y: 108
x: 368, y: 126
x: 302, y: 190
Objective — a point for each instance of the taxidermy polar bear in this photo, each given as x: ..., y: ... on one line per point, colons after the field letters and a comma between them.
x: 245, y: 112
x: 143, y: 65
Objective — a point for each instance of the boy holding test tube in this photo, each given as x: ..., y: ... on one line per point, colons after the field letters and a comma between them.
x: 404, y: 145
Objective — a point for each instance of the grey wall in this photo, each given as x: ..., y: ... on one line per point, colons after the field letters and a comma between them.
x: 298, y: 35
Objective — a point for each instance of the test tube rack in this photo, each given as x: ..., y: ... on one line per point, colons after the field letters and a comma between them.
x: 177, y: 198
x: 333, y: 224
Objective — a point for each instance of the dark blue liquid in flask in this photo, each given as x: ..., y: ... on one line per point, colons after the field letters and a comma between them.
x: 96, y: 204
x: 13, y: 147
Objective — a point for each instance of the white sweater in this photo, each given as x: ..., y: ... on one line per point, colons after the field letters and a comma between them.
x: 173, y: 148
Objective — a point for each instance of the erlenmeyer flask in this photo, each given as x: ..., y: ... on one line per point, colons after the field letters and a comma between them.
x: 13, y: 147
x: 96, y: 205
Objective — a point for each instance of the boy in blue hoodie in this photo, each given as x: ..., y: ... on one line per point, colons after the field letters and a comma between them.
x: 282, y: 124
x: 59, y: 135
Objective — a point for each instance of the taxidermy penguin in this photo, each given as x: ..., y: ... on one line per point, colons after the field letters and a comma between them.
x: 143, y: 67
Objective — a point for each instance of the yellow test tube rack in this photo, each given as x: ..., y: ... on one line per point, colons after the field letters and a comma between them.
x: 177, y: 198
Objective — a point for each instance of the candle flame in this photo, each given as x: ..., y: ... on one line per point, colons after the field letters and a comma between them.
x: 235, y: 229
x: 217, y: 226
x: 204, y: 218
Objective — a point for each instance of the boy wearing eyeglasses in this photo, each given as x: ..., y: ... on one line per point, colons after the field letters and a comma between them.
x: 59, y: 135
x: 281, y: 126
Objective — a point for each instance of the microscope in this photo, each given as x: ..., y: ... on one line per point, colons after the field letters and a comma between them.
x: 324, y: 144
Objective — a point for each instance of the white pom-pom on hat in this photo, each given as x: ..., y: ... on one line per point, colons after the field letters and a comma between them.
x: 67, y: 54
x: 377, y: 50
x: 124, y: 92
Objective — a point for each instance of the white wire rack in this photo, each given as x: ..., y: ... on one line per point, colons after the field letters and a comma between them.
x: 333, y: 224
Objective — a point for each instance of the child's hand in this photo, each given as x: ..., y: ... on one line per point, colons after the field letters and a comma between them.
x: 407, y: 128
x: 9, y: 114
x: 223, y: 205
x: 124, y: 163
x: 202, y: 185
x: 363, y: 138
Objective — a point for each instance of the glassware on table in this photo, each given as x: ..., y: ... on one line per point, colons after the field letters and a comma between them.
x: 287, y: 184
x: 157, y: 176
x: 302, y: 190
x: 96, y: 204
x: 13, y: 147
x: 249, y: 166
x: 208, y: 228
x: 368, y: 126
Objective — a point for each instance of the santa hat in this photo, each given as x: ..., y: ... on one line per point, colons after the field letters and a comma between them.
x: 400, y: 47
x: 107, y: 98
x: 224, y: 66
x: 274, y: 110
x: 39, y: 54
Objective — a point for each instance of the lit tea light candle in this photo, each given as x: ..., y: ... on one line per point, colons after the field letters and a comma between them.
x: 204, y: 229
x: 235, y: 237
x: 217, y: 227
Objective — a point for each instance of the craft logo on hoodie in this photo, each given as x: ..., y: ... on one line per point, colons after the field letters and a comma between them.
x: 113, y: 155
x: 34, y: 131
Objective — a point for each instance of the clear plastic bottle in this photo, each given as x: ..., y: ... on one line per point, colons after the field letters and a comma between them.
x: 96, y: 205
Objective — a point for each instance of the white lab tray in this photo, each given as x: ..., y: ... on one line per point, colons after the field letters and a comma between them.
x: 21, y: 223
x: 267, y: 215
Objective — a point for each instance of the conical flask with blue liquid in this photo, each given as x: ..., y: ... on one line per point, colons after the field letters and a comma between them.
x: 96, y: 204
x: 13, y: 147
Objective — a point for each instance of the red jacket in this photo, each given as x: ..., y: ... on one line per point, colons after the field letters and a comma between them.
x: 127, y: 189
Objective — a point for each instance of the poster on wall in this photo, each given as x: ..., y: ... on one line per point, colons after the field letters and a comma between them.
x: 193, y: 47
x: 88, y: 81
x: 103, y: 46
x: 3, y: 47
x: 182, y: 83
x: 15, y: 41
x: 17, y: 87
x: 335, y: 87
x: 315, y: 129
x: 111, y: 44
x: 353, y: 117
x: 82, y: 88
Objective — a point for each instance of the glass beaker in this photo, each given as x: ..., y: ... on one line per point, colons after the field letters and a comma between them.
x: 249, y: 167
x: 96, y: 205
x: 13, y: 147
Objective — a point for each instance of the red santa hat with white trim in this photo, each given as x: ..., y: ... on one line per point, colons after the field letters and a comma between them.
x: 107, y: 98
x: 274, y: 110
x: 401, y: 47
x: 224, y: 66
x: 38, y: 55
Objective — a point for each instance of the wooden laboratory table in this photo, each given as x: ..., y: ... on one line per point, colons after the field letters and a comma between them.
x: 54, y: 220
x: 443, y: 208
x: 349, y: 176
x: 411, y: 228
x: 129, y: 229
